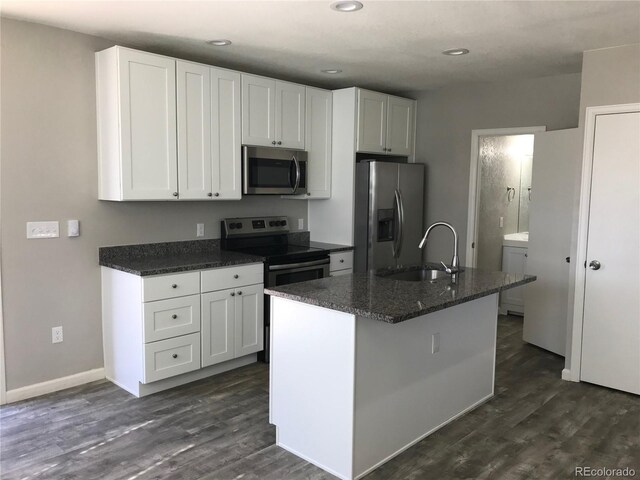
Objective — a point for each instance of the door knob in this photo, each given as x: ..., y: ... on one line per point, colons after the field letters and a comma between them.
x: 594, y: 265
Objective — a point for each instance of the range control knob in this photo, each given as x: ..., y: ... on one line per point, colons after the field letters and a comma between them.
x: 232, y: 226
x: 238, y: 225
x: 272, y: 223
x: 283, y: 223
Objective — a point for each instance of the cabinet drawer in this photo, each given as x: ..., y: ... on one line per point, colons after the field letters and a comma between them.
x: 337, y: 273
x: 341, y: 261
x: 170, y: 286
x: 170, y: 318
x: 166, y: 358
x: 231, y: 277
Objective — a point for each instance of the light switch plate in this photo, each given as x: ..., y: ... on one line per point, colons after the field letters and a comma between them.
x: 73, y: 228
x: 301, y: 224
x: 43, y: 229
x: 199, y: 229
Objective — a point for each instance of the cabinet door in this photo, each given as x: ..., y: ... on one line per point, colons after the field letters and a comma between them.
x: 194, y: 130
x: 258, y: 110
x: 148, y: 126
x: 318, y: 143
x: 249, y: 332
x: 514, y: 260
x: 225, y: 135
x: 400, y: 126
x: 217, y: 329
x: 290, y: 115
x: 372, y: 122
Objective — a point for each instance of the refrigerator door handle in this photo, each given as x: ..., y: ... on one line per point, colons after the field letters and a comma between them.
x: 400, y: 211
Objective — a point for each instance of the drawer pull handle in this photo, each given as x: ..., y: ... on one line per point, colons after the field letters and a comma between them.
x: 174, y: 286
x: 174, y: 316
x: 233, y: 294
x: 236, y: 276
x: 342, y: 260
x: 175, y: 355
x: 239, y: 292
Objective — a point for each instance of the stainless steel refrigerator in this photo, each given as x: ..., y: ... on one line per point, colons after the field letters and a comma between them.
x: 388, y: 214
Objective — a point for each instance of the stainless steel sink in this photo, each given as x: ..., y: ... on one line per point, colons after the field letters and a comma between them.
x: 418, y: 275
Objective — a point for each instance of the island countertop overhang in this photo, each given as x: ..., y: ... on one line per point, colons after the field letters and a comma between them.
x: 394, y: 301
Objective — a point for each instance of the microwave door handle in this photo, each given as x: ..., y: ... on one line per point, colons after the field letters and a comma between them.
x: 297, y: 184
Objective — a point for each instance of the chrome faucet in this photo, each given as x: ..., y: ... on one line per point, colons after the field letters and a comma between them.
x: 455, y: 261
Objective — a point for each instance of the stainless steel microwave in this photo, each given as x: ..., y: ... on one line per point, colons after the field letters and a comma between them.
x: 273, y: 171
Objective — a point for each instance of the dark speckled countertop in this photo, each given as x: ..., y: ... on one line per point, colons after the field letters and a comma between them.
x: 171, y: 257
x: 394, y: 301
x: 331, y: 247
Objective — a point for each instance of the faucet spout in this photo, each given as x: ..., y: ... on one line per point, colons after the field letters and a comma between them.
x: 455, y: 261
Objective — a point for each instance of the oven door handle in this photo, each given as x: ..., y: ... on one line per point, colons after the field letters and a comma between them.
x: 297, y: 184
x: 298, y: 265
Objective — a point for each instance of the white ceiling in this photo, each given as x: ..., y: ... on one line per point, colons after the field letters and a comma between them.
x: 388, y: 45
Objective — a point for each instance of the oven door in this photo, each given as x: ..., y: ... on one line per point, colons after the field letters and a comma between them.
x: 297, y: 272
x: 273, y: 171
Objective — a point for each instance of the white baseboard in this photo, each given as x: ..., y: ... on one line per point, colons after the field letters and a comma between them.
x: 568, y: 376
x: 51, y: 386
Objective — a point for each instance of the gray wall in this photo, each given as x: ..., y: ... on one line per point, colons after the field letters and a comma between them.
x: 445, y: 120
x: 49, y: 172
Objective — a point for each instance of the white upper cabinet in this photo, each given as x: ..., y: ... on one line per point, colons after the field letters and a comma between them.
x: 400, y: 126
x: 208, y: 132
x: 258, y: 110
x: 318, y: 142
x: 372, y: 121
x: 136, y: 107
x: 273, y: 112
x: 290, y: 115
x: 385, y: 124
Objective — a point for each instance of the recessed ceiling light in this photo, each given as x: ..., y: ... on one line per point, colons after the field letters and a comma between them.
x: 346, y: 6
x: 219, y: 43
x: 456, y: 51
x: 332, y: 71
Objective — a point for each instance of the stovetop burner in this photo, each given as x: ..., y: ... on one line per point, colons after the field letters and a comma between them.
x: 266, y: 237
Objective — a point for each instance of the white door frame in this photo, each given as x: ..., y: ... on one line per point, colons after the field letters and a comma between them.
x: 575, y: 358
x: 474, y: 180
x: 3, y: 385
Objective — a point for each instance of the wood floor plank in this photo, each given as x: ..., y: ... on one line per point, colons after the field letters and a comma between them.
x: 535, y: 427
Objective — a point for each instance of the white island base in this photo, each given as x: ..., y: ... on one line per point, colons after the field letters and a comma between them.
x: 349, y: 393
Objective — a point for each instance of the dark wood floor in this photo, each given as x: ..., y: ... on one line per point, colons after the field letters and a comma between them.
x: 536, y: 427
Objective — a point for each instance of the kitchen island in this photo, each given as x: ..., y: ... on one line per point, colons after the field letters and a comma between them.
x: 364, y: 366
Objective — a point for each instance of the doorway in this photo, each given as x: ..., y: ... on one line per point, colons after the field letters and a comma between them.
x: 499, y: 192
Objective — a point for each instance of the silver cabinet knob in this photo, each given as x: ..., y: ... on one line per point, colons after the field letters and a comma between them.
x: 174, y: 316
x: 174, y: 286
x: 239, y: 292
x: 594, y: 265
x: 175, y: 355
x: 216, y: 194
x: 209, y: 194
x: 308, y: 194
x: 233, y: 294
x: 279, y: 143
x: 342, y: 260
x: 273, y: 143
x: 388, y: 149
x: 175, y: 194
x: 236, y: 276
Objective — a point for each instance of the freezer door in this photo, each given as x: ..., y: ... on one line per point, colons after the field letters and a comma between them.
x: 383, y: 217
x: 411, y: 187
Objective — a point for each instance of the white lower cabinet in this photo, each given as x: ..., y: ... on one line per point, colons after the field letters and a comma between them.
x: 514, y: 260
x: 341, y: 263
x: 166, y: 330
x: 232, y: 323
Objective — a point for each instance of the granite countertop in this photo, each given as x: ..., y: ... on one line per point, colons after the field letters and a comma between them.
x: 171, y: 257
x: 331, y: 247
x: 394, y: 301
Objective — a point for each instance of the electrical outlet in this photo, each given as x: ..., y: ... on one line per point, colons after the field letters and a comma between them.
x: 435, y: 343
x: 501, y: 222
x: 301, y: 224
x: 43, y: 229
x: 73, y: 228
x: 56, y: 335
x: 199, y: 229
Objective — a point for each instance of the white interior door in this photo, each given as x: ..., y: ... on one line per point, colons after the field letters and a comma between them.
x: 556, y: 161
x: 611, y: 322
